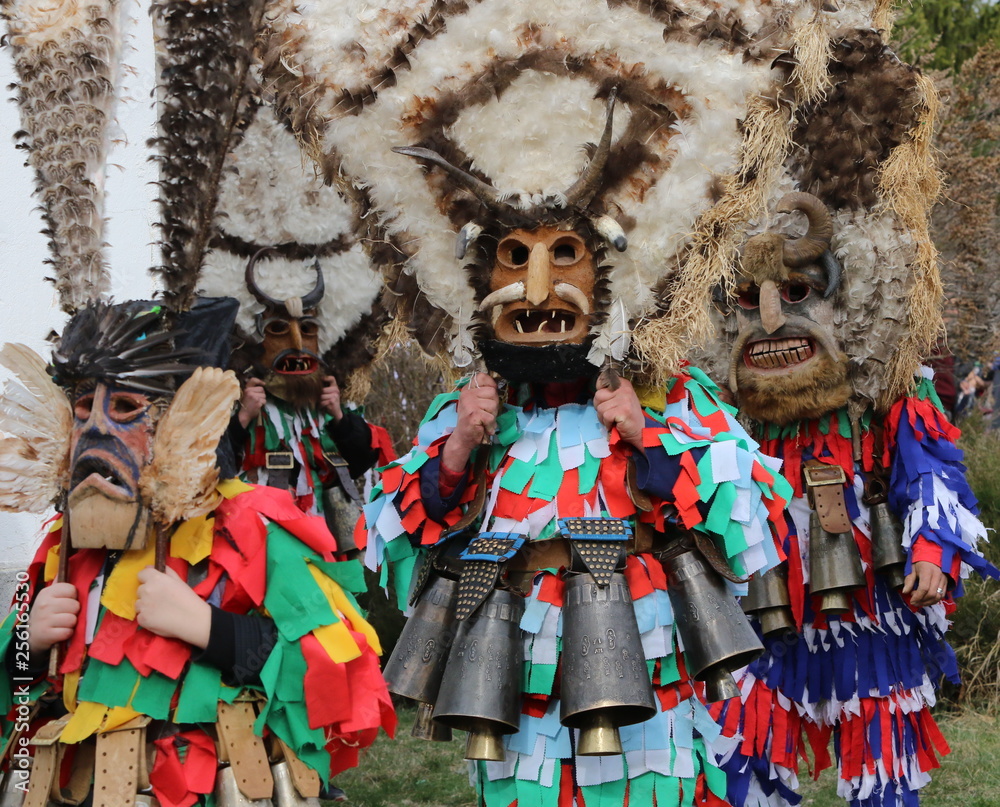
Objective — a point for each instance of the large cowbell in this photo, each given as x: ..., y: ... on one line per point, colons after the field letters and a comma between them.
x: 767, y: 597
x: 605, y: 681
x: 481, y: 688
x: 716, y: 634
x: 417, y: 663
x: 888, y: 555
x: 834, y: 567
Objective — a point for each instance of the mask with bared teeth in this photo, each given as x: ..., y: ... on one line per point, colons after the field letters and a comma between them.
x: 537, y: 271
x: 786, y: 364
x: 289, y: 331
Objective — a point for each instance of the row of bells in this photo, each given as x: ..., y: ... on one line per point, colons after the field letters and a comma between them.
x: 466, y: 674
x: 227, y: 792
x: 835, y: 571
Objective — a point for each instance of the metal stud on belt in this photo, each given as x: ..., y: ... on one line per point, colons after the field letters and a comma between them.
x: 483, y: 561
x: 597, y: 543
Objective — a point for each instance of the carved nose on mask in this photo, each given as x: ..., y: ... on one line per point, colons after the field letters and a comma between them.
x: 771, y: 315
x: 537, y: 287
x: 296, y: 334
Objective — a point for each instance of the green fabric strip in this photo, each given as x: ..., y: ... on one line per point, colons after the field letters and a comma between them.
x: 198, y: 702
x: 293, y: 598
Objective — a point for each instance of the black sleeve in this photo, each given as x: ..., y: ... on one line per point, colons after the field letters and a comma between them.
x: 38, y: 664
x: 354, y: 442
x: 236, y: 438
x: 238, y: 646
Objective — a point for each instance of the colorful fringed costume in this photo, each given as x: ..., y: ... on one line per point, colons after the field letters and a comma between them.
x: 257, y: 554
x: 547, y: 462
x: 868, y: 678
x: 311, y: 436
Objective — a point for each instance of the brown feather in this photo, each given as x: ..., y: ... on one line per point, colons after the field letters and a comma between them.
x: 180, y: 481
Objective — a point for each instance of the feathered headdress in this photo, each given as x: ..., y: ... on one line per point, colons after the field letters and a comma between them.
x: 508, y: 92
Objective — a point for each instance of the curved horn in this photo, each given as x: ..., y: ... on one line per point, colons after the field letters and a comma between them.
x: 487, y: 194
x: 612, y: 232
x: 311, y: 300
x: 800, y: 251
x: 255, y: 290
x: 582, y: 191
x: 833, y: 271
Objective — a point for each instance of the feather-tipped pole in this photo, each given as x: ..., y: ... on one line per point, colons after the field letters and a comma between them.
x: 36, y: 416
x: 180, y: 481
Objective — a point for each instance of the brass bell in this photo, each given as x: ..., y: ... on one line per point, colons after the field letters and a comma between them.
x: 481, y: 688
x: 228, y: 793
x: 888, y: 555
x: 767, y: 598
x: 285, y: 794
x: 715, y: 632
x: 418, y: 660
x: 834, y: 567
x: 426, y: 728
x: 605, y: 681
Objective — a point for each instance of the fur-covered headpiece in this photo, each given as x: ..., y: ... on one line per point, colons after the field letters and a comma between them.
x: 508, y: 92
x: 862, y: 148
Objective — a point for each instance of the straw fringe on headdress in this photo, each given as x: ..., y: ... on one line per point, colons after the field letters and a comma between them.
x: 861, y: 143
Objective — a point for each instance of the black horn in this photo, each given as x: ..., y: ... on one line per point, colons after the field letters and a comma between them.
x: 582, y: 191
x: 311, y: 300
x: 255, y: 290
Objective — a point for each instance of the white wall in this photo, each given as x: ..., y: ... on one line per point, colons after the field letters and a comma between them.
x: 28, y: 305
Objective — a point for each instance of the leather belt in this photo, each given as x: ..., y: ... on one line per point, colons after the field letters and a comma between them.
x: 825, y: 489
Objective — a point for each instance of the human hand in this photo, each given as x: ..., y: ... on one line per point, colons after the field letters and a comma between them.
x: 329, y: 399
x: 478, y: 406
x: 168, y: 607
x: 252, y: 401
x: 620, y: 408
x: 928, y: 584
x: 53, y: 617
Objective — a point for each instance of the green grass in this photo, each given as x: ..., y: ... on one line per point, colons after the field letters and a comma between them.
x: 415, y: 773
x: 969, y: 776
x: 406, y: 772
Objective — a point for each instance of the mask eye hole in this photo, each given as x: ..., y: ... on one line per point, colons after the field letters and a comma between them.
x: 564, y: 254
x: 83, y: 406
x: 748, y: 298
x: 276, y: 327
x: 795, y: 292
x: 308, y: 327
x: 125, y: 407
x: 513, y: 253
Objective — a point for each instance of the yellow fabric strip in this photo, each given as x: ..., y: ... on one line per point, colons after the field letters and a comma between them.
x: 231, y: 488
x: 192, y: 540
x: 343, y: 605
x: 92, y: 718
x: 121, y: 590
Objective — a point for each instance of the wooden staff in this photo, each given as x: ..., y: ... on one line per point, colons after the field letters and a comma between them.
x: 62, y: 572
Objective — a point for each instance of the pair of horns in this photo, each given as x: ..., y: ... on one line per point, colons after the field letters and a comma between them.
x: 579, y: 194
x: 310, y: 300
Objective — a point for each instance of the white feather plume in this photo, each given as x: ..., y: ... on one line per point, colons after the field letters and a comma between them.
x: 612, y: 341
x: 36, y: 416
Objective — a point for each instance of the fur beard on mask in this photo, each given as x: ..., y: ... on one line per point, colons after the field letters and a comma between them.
x: 301, y: 391
x: 807, y: 394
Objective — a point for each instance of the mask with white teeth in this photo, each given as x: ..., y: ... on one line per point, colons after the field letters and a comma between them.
x: 786, y: 364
